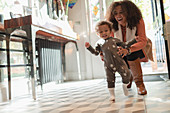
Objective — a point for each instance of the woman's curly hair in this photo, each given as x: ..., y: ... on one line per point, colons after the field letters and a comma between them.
x: 130, y: 10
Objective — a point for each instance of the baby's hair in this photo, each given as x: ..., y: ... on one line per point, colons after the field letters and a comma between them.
x: 103, y: 22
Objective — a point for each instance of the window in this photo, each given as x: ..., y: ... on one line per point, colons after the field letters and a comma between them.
x: 95, y: 12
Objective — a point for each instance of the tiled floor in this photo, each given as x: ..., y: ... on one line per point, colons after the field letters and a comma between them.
x: 91, y: 96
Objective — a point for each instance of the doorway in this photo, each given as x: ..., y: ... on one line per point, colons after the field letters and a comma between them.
x: 154, y: 25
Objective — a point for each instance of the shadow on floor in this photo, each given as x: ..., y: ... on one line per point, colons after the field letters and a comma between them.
x: 152, y: 78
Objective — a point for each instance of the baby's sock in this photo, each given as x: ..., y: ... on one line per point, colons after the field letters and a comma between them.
x: 112, y: 94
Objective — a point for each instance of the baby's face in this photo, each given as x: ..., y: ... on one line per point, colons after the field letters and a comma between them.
x: 104, y: 31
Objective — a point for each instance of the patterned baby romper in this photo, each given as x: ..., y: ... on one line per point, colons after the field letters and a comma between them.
x: 112, y: 61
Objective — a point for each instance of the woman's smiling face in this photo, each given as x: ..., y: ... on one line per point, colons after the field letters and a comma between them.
x: 120, y: 15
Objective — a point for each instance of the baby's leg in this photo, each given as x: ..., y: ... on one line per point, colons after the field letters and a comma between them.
x: 110, y: 82
x: 125, y: 74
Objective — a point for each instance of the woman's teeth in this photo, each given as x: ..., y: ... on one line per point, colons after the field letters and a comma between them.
x: 119, y: 19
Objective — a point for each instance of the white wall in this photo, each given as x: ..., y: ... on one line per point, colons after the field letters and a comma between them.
x: 91, y: 66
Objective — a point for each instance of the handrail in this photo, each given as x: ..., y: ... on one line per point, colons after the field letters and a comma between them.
x: 17, y: 65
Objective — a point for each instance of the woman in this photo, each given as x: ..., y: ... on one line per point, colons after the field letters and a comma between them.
x: 128, y: 24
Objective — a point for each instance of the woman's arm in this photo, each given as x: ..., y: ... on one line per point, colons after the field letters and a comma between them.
x: 142, y: 40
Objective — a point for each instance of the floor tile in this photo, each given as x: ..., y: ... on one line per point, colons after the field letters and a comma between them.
x: 91, y: 96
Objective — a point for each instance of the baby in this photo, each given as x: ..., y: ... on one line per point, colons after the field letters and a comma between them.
x: 112, y: 61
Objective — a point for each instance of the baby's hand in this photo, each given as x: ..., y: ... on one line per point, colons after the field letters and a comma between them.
x: 87, y: 45
x: 101, y: 56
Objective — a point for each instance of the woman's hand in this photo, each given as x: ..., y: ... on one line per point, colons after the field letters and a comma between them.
x: 87, y: 45
x: 122, y: 52
x: 137, y: 38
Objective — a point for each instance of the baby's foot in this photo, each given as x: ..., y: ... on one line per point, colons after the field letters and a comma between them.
x: 125, y: 90
x: 112, y: 98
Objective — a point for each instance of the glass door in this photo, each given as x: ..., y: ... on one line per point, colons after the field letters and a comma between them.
x: 152, y: 15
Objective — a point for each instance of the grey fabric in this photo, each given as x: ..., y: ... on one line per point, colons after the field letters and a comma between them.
x: 112, y: 61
